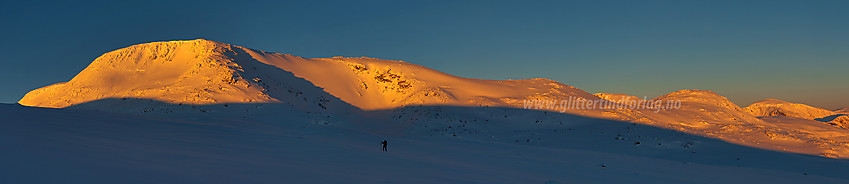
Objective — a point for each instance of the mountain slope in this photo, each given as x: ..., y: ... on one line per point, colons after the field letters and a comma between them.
x: 207, y: 72
x: 193, y: 72
x: 372, y: 84
x: 840, y: 120
x: 709, y: 114
x: 202, y: 76
x: 814, y: 115
x: 196, y: 72
x: 844, y: 110
x: 774, y: 107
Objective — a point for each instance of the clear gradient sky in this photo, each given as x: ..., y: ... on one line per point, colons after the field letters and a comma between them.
x: 745, y: 50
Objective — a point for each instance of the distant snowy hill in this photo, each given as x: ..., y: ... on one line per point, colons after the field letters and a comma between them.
x: 197, y: 72
x: 774, y: 107
x: 709, y: 114
x: 813, y: 115
x: 200, y: 78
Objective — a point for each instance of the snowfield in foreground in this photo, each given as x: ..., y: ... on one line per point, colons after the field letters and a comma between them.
x: 78, y: 146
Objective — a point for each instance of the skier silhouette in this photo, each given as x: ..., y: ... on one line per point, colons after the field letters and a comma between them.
x: 384, y: 145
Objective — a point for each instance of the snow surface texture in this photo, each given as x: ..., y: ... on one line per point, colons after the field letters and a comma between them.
x: 207, y: 76
x: 81, y: 146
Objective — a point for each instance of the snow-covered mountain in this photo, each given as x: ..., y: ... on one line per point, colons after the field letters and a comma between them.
x: 196, y: 72
x: 201, y: 111
x: 774, y: 107
x: 805, y: 114
x: 709, y: 114
x: 207, y: 78
x: 207, y: 72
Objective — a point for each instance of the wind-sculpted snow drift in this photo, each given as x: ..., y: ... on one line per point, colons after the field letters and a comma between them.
x: 199, y: 76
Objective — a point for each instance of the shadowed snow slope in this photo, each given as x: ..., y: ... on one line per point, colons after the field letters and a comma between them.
x: 78, y: 146
x: 202, y: 76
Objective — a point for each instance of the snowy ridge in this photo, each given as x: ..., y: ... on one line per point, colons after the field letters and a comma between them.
x: 207, y: 72
x: 198, y: 78
x: 774, y: 107
x: 197, y: 72
x: 801, y: 115
x: 173, y: 72
x: 844, y: 110
x: 711, y: 115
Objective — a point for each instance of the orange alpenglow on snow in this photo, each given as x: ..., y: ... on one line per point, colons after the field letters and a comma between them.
x: 203, y: 72
x: 207, y: 72
x: 774, y: 107
x: 844, y: 110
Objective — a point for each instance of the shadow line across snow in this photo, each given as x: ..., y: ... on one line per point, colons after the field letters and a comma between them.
x: 492, y: 124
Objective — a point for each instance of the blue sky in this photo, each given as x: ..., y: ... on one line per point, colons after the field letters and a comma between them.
x: 745, y: 50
